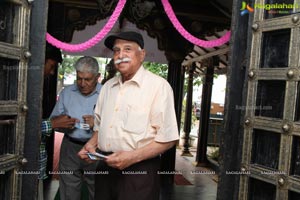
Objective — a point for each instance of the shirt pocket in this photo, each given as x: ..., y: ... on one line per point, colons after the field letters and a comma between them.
x: 137, y: 120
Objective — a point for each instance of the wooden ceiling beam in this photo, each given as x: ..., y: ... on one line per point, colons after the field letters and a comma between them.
x: 208, y: 55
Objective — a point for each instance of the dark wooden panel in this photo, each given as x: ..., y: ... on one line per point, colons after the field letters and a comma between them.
x: 5, y: 183
x: 297, y: 110
x: 270, y: 99
x: 265, y: 148
x: 9, y: 71
x: 259, y: 190
x: 7, y: 135
x: 294, y: 195
x: 275, y: 49
x: 6, y: 22
x: 295, y: 162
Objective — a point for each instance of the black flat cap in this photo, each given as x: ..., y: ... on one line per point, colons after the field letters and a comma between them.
x: 129, y: 36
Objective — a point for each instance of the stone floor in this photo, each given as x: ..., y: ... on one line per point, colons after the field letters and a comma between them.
x: 203, y: 180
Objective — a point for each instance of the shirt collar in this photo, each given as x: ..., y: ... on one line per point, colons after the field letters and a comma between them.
x: 97, y: 89
x: 137, y: 78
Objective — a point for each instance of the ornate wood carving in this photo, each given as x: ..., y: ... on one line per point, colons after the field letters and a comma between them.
x: 106, y: 6
x: 147, y: 15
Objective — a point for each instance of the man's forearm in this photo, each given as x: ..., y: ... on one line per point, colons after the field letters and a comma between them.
x: 90, y: 146
x: 152, y: 150
x: 93, y: 141
x: 123, y: 159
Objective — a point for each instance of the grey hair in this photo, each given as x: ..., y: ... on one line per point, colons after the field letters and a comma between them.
x: 87, y: 64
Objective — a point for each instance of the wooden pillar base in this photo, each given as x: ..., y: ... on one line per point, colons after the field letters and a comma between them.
x: 201, y: 164
x: 186, y: 153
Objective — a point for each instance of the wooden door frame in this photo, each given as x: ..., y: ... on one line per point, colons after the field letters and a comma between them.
x: 231, y: 140
x: 35, y: 80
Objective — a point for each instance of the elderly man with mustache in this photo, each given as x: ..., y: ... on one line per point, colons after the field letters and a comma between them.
x: 135, y: 122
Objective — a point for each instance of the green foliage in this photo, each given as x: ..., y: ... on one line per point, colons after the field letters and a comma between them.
x: 157, y: 68
x: 67, y: 66
x: 197, y: 81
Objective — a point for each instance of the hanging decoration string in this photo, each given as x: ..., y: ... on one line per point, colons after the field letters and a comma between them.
x: 203, y: 43
x: 94, y: 40
x: 114, y: 17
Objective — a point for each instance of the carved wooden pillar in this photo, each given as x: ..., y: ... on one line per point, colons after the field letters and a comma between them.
x: 176, y: 80
x: 201, y: 158
x: 33, y: 101
x: 188, y: 112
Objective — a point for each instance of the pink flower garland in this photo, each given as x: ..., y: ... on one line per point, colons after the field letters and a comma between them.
x: 112, y: 20
x: 203, y: 43
x: 91, y: 42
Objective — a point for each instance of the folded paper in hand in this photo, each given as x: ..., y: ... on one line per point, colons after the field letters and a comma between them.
x: 96, y: 156
x: 82, y: 126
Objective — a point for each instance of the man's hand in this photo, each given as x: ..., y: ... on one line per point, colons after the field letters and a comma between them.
x: 89, y: 119
x: 90, y: 146
x: 124, y: 159
x: 63, y: 121
x: 121, y: 160
x: 87, y: 148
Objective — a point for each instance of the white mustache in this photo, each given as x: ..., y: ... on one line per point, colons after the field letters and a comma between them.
x: 118, y: 61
